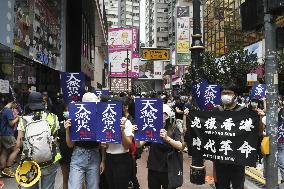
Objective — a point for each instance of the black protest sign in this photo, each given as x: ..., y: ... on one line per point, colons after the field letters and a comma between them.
x: 226, y: 136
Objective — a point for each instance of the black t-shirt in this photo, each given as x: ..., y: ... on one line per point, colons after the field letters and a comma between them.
x: 180, y: 106
x: 157, y: 160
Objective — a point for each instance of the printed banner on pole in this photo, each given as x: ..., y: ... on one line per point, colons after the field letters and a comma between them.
x: 101, y: 92
x: 227, y: 136
x: 83, y: 120
x: 73, y: 86
x: 108, y: 122
x: 118, y: 62
x: 149, y: 119
x: 258, y: 91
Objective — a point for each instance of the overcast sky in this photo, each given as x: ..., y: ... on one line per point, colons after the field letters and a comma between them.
x: 142, y: 21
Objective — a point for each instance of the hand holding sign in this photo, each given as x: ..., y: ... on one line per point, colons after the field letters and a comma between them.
x: 164, y: 134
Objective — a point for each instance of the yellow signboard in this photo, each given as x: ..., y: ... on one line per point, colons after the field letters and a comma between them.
x: 156, y: 54
x: 182, y: 46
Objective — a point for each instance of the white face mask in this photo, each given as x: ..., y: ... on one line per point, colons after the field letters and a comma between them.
x: 227, y: 99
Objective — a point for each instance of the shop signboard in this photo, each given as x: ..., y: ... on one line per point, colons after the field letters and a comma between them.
x: 183, y: 59
x: 120, y: 84
x: 118, y: 62
x: 4, y: 86
x: 155, y: 54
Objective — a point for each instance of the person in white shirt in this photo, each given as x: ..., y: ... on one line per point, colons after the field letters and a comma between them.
x: 118, y: 165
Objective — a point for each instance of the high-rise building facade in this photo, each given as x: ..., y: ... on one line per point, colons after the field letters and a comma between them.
x: 157, y: 28
x: 222, y: 26
x: 123, y: 13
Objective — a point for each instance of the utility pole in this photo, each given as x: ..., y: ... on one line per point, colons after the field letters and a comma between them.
x: 197, y: 167
x: 271, y: 80
x: 197, y: 47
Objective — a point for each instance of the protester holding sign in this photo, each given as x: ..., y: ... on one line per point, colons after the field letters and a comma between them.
x: 165, y: 159
x: 119, y: 162
x: 228, y: 136
x: 86, y: 161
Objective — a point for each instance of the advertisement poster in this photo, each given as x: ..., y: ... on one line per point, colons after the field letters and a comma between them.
x: 118, y: 63
x: 151, y: 70
x: 119, y: 38
x: 183, y: 30
x: 135, y: 66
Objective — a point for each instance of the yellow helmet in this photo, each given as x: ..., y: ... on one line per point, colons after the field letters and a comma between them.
x: 28, y: 173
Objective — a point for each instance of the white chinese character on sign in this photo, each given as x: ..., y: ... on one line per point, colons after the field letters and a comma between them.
x: 196, y: 123
x: 73, y: 84
x: 210, y: 144
x: 258, y: 90
x: 225, y: 146
x: 148, y: 114
x: 227, y: 124
x: 197, y: 142
x: 210, y: 94
x: 281, y: 131
x: 246, y: 149
x: 82, y: 117
x: 246, y: 125
x: 198, y: 90
x: 210, y: 123
x: 108, y: 118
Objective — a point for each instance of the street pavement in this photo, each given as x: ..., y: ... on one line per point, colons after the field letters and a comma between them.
x: 10, y: 183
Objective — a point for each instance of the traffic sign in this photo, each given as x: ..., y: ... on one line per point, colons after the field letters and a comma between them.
x: 155, y: 54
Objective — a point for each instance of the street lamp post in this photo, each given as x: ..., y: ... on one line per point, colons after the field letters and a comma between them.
x: 197, y: 168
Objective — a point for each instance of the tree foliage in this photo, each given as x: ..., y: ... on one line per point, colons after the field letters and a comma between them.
x: 234, y: 65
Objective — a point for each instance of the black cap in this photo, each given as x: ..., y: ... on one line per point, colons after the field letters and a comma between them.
x: 36, y: 101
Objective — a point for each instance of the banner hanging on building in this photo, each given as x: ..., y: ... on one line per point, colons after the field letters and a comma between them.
x: 183, y: 36
x: 119, y: 38
x: 72, y: 86
x: 149, y: 119
x: 135, y: 66
x: 108, y: 122
x: 227, y: 136
x: 83, y: 120
x: 118, y: 63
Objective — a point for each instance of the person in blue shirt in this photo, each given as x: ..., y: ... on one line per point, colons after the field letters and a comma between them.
x: 8, y: 148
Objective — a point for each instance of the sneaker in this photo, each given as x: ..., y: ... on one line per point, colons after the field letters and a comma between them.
x: 8, y: 172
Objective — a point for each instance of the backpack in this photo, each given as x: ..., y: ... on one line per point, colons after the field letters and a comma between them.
x: 39, y: 144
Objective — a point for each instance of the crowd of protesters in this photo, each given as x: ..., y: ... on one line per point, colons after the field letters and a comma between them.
x: 92, y: 165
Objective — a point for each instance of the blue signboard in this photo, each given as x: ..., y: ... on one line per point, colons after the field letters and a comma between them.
x: 101, y: 92
x: 149, y: 119
x: 109, y: 116
x: 258, y: 91
x: 73, y: 86
x: 83, y: 121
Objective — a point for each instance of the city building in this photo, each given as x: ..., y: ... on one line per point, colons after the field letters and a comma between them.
x: 42, y: 38
x: 123, y: 13
x: 156, y: 23
x: 222, y: 27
